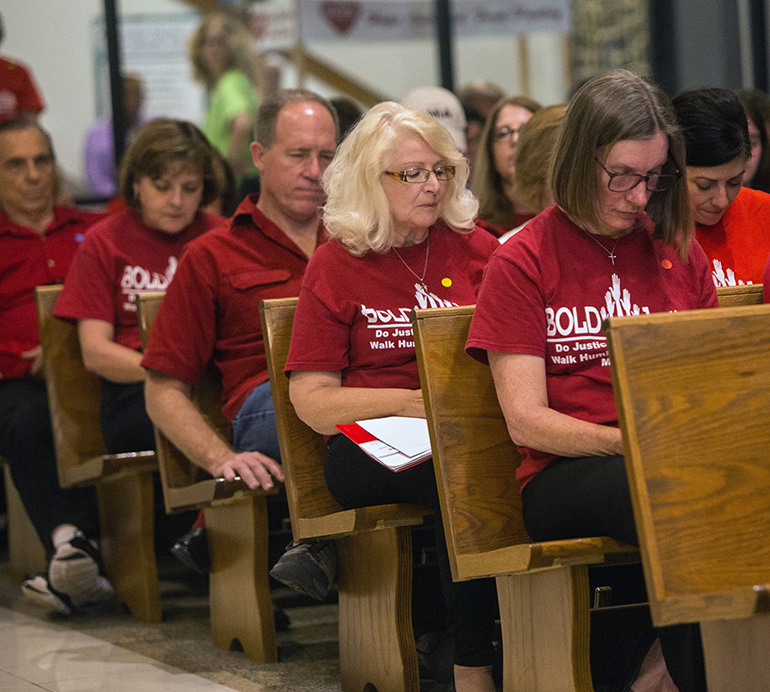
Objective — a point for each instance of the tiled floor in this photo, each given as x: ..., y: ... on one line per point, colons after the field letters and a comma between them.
x: 38, y: 655
x: 108, y: 651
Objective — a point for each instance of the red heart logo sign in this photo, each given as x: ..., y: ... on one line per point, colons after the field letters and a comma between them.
x: 341, y: 15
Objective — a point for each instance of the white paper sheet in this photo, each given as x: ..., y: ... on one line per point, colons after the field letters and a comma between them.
x: 408, y: 435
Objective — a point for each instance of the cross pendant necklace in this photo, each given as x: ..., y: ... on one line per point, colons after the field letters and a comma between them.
x: 610, y: 253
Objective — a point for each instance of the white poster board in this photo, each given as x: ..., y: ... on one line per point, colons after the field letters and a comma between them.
x: 154, y: 47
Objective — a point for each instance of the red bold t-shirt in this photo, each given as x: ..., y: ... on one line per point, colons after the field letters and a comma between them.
x: 738, y: 246
x: 548, y: 289
x: 29, y: 259
x: 353, y: 312
x: 211, y: 308
x: 120, y: 258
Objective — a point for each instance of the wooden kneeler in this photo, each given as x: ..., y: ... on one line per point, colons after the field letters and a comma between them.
x: 374, y: 544
x: 123, y: 482
x: 542, y: 588
x: 693, y: 395
x: 241, y: 608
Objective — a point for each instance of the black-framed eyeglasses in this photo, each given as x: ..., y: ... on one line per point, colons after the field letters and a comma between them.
x: 624, y: 182
x: 421, y: 175
x: 505, y: 132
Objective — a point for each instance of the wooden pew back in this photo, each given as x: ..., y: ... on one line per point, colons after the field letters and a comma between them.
x: 302, y: 449
x: 693, y: 396
x: 735, y: 296
x: 543, y: 588
x: 123, y: 482
x: 476, y: 461
x: 373, y: 544
x: 187, y: 485
x: 478, y: 483
x: 314, y: 512
x: 74, y: 396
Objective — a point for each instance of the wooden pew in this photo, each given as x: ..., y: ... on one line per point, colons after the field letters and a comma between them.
x: 693, y: 395
x: 542, y: 587
x: 374, y: 553
x: 26, y: 554
x: 236, y: 523
x: 123, y: 482
x: 735, y: 296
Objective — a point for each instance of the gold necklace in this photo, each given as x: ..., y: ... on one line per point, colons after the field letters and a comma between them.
x: 421, y: 279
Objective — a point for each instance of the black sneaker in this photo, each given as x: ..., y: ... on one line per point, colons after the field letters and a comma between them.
x: 192, y: 550
x: 309, y: 568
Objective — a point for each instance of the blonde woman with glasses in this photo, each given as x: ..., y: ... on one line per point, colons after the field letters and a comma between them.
x: 401, y: 223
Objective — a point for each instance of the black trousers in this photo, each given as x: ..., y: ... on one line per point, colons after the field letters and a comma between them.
x: 355, y: 480
x: 127, y: 428
x: 589, y: 496
x: 125, y: 423
x: 26, y: 441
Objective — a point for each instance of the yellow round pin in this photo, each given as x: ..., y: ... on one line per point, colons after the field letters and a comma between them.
x: 446, y: 282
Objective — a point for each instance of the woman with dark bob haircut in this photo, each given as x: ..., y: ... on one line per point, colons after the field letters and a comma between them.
x: 730, y: 221
x: 617, y: 242
x: 167, y: 175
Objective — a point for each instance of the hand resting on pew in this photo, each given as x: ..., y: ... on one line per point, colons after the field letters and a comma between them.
x: 170, y: 406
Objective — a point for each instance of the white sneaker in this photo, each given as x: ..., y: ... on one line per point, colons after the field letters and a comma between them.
x: 76, y: 571
x: 39, y: 590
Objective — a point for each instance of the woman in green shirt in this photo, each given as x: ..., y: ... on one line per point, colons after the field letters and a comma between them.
x: 225, y: 61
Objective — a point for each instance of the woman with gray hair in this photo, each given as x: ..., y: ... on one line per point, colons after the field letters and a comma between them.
x: 402, y: 236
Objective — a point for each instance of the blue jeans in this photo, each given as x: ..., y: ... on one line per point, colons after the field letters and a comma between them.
x: 253, y: 427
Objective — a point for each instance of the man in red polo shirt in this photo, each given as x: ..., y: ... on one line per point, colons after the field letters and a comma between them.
x: 37, y: 243
x: 211, y: 308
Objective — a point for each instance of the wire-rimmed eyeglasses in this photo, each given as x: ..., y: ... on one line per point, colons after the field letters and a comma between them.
x: 421, y: 175
x: 623, y: 182
x: 505, y: 132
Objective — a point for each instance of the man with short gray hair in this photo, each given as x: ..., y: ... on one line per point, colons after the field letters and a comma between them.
x: 37, y: 243
x: 210, y: 309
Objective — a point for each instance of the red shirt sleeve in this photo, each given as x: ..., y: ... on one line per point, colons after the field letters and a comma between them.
x: 189, y: 300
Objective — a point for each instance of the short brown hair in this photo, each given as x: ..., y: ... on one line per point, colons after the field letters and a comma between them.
x: 161, y: 143
x: 267, y: 115
x: 607, y: 109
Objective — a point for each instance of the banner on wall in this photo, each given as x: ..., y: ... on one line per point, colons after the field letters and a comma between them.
x: 381, y: 20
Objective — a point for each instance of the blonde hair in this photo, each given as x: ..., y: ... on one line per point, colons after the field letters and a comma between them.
x: 537, y: 141
x: 239, y: 47
x: 487, y: 183
x: 607, y: 109
x: 357, y: 211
